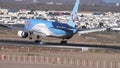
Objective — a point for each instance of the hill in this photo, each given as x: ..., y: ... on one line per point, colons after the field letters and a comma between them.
x: 56, y: 1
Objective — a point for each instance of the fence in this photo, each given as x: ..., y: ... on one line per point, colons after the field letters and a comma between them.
x: 91, y: 63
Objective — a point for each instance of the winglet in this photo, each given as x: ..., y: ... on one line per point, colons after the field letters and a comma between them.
x: 73, y: 15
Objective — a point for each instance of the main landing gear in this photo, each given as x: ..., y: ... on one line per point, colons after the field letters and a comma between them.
x: 63, y: 42
x: 30, y: 35
x: 36, y: 39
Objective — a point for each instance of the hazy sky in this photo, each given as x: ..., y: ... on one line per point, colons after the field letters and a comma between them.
x: 112, y: 1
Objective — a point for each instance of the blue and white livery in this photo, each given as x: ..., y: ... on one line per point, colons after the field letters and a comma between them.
x: 46, y: 28
x: 55, y: 29
x: 51, y: 29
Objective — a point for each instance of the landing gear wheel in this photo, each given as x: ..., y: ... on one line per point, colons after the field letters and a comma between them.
x: 63, y: 42
x: 30, y: 38
x: 37, y: 41
x: 38, y: 37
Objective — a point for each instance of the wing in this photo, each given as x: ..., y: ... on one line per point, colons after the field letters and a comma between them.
x: 14, y: 26
x: 85, y: 31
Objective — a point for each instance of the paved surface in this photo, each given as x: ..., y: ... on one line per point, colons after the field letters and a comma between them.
x: 100, y: 60
x: 52, y: 44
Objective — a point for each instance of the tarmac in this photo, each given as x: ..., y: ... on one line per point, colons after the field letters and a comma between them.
x: 69, y: 59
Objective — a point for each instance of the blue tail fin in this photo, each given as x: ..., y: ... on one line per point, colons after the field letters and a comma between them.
x: 73, y: 15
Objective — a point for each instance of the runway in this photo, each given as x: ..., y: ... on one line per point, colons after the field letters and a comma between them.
x: 14, y: 42
x: 9, y: 40
x: 23, y: 53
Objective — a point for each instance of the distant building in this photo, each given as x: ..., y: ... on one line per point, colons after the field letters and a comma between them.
x: 35, y: 1
x: 98, y: 13
x: 59, y: 3
x: 50, y: 3
x: 92, y: 4
x: 18, y: 0
x: 117, y: 4
x: 12, y: 10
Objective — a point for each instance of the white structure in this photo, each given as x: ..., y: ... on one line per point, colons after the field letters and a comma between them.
x: 86, y: 19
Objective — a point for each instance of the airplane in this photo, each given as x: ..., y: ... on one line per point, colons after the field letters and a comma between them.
x: 51, y: 29
x: 46, y: 28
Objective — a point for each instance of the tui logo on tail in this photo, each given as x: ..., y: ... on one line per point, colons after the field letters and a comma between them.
x: 73, y: 17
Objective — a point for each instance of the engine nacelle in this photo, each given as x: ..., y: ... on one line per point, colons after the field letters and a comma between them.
x: 22, y: 34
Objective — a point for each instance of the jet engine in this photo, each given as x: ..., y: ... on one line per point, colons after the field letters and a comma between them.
x: 22, y: 34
